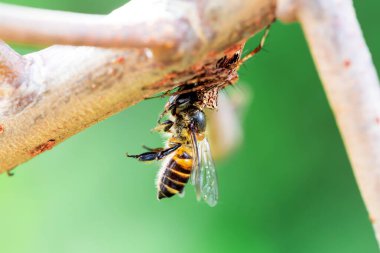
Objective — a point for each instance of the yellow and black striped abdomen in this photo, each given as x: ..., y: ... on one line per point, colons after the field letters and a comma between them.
x: 175, y: 174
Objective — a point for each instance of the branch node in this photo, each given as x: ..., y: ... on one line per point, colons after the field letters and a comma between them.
x: 11, y: 69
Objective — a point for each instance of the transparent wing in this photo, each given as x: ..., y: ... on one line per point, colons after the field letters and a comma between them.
x: 204, y: 176
x: 195, y: 173
x: 208, y: 178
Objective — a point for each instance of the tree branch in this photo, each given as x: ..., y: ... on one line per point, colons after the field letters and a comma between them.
x: 66, y: 89
x: 166, y: 24
x: 351, y: 83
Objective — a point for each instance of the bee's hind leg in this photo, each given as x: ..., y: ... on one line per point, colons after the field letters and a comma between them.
x: 155, y: 155
x: 152, y: 149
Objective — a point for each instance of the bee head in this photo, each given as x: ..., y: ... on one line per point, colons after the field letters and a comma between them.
x: 181, y: 103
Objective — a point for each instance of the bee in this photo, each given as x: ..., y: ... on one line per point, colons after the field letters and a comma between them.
x: 187, y: 155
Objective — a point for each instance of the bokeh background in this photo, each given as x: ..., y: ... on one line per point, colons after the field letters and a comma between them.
x: 288, y: 188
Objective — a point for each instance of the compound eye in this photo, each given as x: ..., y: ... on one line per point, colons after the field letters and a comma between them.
x: 199, y: 121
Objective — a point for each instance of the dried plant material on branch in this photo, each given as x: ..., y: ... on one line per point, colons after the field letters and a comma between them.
x: 212, y: 76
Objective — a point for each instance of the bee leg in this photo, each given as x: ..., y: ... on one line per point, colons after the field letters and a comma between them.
x: 164, y: 126
x: 161, y: 116
x: 158, y: 155
x: 257, y: 49
x: 168, y: 151
x: 152, y: 149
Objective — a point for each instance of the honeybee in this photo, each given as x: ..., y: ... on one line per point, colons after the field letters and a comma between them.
x: 187, y: 155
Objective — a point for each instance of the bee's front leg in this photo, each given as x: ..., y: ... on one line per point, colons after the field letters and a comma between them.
x: 164, y: 126
x: 155, y: 155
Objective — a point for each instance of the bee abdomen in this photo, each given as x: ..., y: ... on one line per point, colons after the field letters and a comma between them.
x: 175, y: 176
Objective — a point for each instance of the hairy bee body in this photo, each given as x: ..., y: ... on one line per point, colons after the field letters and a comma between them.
x: 185, y: 118
x: 186, y: 127
x: 175, y: 172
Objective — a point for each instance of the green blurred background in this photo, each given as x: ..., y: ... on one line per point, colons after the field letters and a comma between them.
x: 288, y: 188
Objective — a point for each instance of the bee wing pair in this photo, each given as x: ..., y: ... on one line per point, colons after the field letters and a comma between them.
x: 203, y: 175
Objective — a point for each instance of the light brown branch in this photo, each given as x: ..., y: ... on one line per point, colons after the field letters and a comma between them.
x: 66, y: 89
x: 351, y: 83
x: 166, y: 24
x: 47, y: 27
